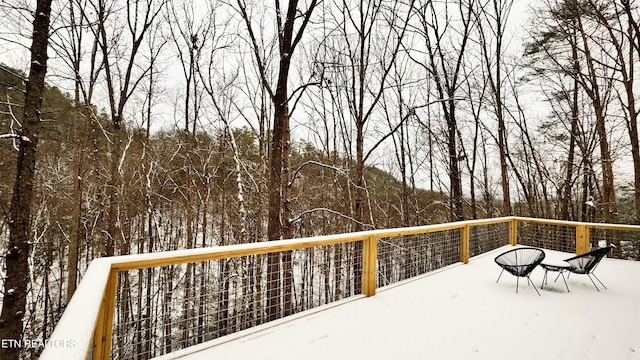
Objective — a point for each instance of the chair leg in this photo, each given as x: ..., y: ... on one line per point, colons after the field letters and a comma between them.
x: 565, y: 281
x: 560, y: 273
x: 593, y: 282
x: 545, y: 279
x: 534, y: 286
x: 594, y: 275
x: 517, y: 283
x: 500, y: 275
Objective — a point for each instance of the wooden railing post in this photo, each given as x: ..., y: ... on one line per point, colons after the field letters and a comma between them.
x: 104, y: 325
x: 513, y: 232
x: 370, y: 257
x: 582, y: 239
x: 465, y: 234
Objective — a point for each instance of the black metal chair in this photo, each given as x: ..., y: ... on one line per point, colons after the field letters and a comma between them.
x: 586, y: 263
x: 520, y: 262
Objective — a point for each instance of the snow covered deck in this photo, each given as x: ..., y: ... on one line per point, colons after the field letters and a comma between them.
x: 459, y: 312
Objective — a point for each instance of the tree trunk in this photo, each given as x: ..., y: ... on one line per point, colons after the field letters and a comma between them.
x: 16, y: 260
x: 566, y: 188
x: 455, y: 177
x: 633, y: 34
x: 502, y: 138
x: 114, y: 185
x: 487, y: 196
x: 279, y: 159
x: 275, y: 224
x: 76, y: 228
x: 635, y: 151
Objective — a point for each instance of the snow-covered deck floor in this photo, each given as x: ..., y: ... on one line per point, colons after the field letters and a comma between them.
x: 460, y: 313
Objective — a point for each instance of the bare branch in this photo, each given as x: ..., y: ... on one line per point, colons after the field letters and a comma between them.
x: 12, y: 73
x: 297, y: 218
x: 255, y: 47
x: 14, y: 136
x: 412, y: 112
x: 311, y: 162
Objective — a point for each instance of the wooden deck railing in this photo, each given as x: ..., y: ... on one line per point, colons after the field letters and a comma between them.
x: 86, y: 327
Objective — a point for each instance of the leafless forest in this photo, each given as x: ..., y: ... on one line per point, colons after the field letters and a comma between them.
x: 150, y: 125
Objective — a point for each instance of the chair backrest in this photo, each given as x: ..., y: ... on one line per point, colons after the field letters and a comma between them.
x: 520, y: 261
x: 585, y: 263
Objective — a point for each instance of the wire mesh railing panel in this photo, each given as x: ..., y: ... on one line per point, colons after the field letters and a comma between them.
x: 626, y: 242
x: 547, y: 236
x: 165, y: 309
x: 403, y: 257
x: 484, y: 238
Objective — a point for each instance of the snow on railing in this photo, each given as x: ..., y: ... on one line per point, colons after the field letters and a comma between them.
x: 74, y: 334
x: 239, y: 279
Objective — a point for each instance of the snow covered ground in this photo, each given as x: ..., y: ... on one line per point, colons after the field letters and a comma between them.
x: 459, y: 312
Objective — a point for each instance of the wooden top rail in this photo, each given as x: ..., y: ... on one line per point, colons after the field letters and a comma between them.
x: 437, y: 227
x: 142, y: 261
x: 577, y: 223
x: 165, y: 258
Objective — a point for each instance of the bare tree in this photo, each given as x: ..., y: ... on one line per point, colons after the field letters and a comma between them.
x: 370, y: 63
x: 123, y: 73
x: 402, y: 140
x: 598, y: 87
x: 574, y: 30
x: 288, y: 38
x: 17, y: 275
x: 70, y: 45
x: 188, y: 28
x: 491, y: 25
x: 446, y: 40
x: 625, y: 38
